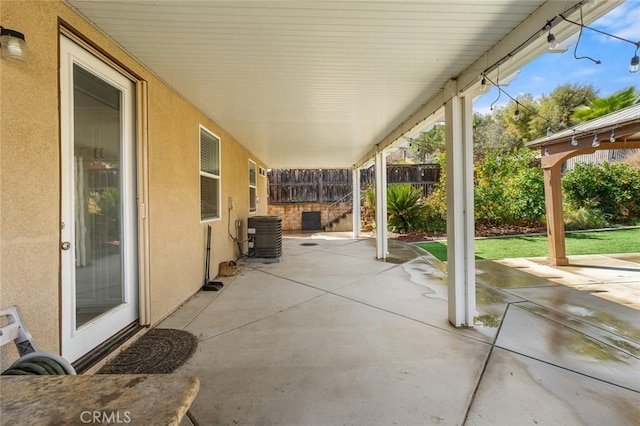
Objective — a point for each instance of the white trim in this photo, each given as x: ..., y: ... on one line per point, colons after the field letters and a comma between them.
x: 254, y: 187
x: 217, y: 177
x: 76, y: 342
x: 144, y: 295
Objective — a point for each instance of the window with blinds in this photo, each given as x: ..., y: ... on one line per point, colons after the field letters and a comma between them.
x: 253, y: 189
x: 209, y: 175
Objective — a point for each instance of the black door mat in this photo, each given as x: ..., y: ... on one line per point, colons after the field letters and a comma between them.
x: 159, y: 351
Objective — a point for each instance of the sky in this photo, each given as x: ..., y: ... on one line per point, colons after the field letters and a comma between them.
x: 544, y: 74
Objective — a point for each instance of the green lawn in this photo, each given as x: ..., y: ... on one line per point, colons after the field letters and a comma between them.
x: 603, y: 242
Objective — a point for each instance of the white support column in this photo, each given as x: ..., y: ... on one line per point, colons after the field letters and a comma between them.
x: 460, y: 213
x: 382, y: 245
x: 355, y: 181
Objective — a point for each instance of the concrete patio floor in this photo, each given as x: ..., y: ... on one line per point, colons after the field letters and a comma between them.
x: 331, y: 336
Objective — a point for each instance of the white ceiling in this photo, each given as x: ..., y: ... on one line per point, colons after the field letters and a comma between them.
x: 311, y: 84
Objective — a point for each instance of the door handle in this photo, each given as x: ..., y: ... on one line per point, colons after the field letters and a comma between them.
x: 66, y: 245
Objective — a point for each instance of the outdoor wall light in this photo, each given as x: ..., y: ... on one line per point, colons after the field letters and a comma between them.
x: 612, y: 138
x: 574, y: 139
x: 13, y: 44
x: 596, y: 141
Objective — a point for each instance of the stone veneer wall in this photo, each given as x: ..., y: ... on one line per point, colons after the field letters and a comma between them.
x: 291, y: 213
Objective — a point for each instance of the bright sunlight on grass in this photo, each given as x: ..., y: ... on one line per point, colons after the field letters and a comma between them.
x: 602, y: 242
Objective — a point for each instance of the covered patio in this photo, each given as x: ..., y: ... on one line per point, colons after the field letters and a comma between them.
x: 332, y: 336
x: 354, y: 330
x: 339, y: 84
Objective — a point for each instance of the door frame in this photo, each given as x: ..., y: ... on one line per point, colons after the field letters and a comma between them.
x: 140, y: 118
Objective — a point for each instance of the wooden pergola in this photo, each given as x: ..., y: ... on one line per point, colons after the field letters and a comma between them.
x: 555, y: 149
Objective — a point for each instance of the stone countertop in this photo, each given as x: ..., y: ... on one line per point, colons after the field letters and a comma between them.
x: 136, y: 399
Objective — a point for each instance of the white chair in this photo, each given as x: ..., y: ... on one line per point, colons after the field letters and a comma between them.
x: 14, y: 330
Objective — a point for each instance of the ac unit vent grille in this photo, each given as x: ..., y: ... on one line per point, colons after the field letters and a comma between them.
x: 266, y: 232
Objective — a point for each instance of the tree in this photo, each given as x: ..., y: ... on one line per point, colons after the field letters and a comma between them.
x: 519, y: 124
x: 558, y: 108
x: 429, y: 143
x: 489, y: 134
x: 598, y: 107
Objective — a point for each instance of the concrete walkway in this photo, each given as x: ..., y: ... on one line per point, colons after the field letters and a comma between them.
x: 331, y: 336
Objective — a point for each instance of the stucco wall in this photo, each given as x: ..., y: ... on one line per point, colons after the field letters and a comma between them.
x: 30, y: 178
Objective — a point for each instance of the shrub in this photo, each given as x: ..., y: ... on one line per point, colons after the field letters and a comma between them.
x: 434, y: 216
x: 509, y: 189
x: 613, y: 189
x: 584, y: 218
x: 526, y: 193
x: 404, y: 207
x: 435, y: 205
x: 370, y: 196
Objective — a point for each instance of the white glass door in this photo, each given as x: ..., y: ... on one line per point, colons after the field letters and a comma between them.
x: 98, y: 244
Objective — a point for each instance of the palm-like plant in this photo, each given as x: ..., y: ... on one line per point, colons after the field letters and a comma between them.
x: 601, y: 106
x: 404, y: 207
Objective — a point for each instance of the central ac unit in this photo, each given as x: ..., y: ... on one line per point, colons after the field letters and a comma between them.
x: 265, y: 237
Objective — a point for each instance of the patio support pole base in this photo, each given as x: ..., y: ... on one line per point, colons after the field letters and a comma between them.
x: 558, y: 261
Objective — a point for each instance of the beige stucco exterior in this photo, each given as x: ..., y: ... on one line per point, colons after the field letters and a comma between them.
x: 30, y: 177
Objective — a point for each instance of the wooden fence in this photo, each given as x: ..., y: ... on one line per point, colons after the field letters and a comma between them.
x: 424, y: 176
x: 334, y: 185
x: 308, y: 186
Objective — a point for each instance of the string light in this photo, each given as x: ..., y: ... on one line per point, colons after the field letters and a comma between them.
x: 484, y: 85
x: 518, y: 105
x: 634, y: 65
x: 486, y: 82
x: 635, y: 61
x: 575, y: 49
x: 497, y: 84
x: 551, y: 40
